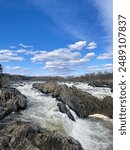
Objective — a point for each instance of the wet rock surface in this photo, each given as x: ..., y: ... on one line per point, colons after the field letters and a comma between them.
x: 102, y: 83
x: 18, y: 135
x: 107, y: 105
x: 83, y: 103
x: 11, y: 100
x: 63, y: 108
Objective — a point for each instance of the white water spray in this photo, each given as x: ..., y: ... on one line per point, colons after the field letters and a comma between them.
x: 93, y: 133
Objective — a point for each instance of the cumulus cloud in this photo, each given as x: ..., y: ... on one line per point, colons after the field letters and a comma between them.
x: 4, y: 58
x: 105, y: 56
x: 21, y: 51
x: 26, y: 52
x: 91, y: 45
x: 62, y: 60
x: 7, y: 52
x: 8, y: 55
x: 89, y: 55
x: 77, y: 45
x: 58, y: 54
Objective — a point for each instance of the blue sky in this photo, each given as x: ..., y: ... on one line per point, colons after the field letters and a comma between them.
x: 55, y: 37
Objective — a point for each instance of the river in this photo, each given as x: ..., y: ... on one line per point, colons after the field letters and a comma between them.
x: 94, y: 133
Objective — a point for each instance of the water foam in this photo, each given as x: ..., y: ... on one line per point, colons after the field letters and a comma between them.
x: 94, y: 133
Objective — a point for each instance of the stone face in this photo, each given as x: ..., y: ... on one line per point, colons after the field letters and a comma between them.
x: 83, y: 103
x: 25, y: 136
x: 107, y: 105
x: 11, y: 100
x: 102, y: 83
x: 64, y: 109
x: 21, y: 102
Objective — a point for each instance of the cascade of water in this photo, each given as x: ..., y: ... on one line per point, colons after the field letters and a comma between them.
x: 92, y: 133
x: 99, y: 92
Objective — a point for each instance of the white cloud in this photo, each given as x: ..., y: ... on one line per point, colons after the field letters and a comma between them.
x: 89, y: 55
x: 8, y: 55
x: 25, y: 46
x: 62, y: 61
x: 108, y: 65
x: 105, y: 56
x: 58, y: 54
x: 4, y: 58
x: 27, y: 52
x: 21, y: 51
x: 7, y: 52
x: 82, y: 44
x: 91, y: 45
x: 77, y: 45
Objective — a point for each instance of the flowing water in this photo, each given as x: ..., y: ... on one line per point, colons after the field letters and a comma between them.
x: 93, y: 133
x: 99, y: 92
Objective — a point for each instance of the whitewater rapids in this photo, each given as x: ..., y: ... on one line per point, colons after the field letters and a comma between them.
x: 99, y: 92
x: 93, y: 133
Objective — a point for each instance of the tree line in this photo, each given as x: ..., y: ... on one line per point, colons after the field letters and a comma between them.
x: 94, y: 79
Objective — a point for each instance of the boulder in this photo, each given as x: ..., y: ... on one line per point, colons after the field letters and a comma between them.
x: 25, y: 136
x: 21, y: 101
x: 107, y: 106
x: 64, y: 109
x: 102, y: 83
x: 3, y: 113
x: 11, y: 100
x: 83, y: 103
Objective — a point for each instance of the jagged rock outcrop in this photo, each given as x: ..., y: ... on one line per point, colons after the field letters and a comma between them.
x: 83, y: 103
x: 11, y: 100
x: 107, y: 106
x: 102, y: 83
x: 64, y: 109
x: 25, y: 136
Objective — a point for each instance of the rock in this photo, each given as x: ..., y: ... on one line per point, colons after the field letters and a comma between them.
x: 64, y: 109
x: 25, y: 136
x: 107, y: 106
x: 83, y: 103
x: 21, y: 101
x: 3, y: 113
x: 11, y: 100
x: 102, y: 83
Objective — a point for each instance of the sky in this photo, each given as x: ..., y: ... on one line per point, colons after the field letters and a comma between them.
x: 56, y: 37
